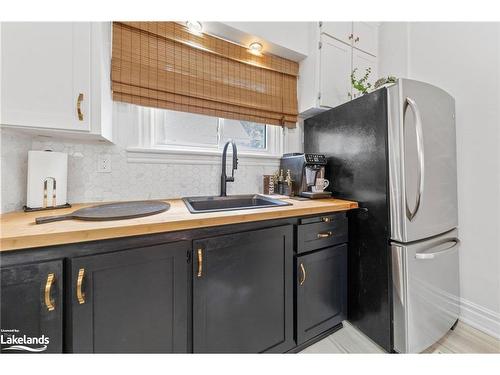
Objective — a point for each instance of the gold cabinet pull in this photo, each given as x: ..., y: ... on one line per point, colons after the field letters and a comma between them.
x: 80, y: 296
x: 49, y: 302
x: 200, y: 262
x: 326, y: 219
x: 325, y: 235
x: 79, y: 106
x: 303, y: 274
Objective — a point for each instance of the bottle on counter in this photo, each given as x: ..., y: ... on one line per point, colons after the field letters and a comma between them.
x: 288, y: 184
x: 281, y: 183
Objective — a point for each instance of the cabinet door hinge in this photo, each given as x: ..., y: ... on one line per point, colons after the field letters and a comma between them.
x: 320, y: 23
x: 319, y: 96
x: 320, y: 44
x: 188, y: 256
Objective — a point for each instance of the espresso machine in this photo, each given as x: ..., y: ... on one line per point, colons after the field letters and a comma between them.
x: 305, y: 170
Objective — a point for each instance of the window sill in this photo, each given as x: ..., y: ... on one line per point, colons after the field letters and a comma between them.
x: 198, y: 157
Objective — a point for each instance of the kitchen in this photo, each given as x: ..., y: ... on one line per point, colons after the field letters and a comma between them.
x: 236, y: 164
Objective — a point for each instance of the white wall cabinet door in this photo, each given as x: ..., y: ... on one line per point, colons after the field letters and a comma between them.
x: 362, y: 61
x: 335, y: 72
x: 45, y: 68
x: 365, y: 37
x: 338, y: 30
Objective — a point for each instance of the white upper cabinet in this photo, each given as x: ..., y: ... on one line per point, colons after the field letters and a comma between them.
x: 335, y: 70
x: 365, y: 36
x: 338, y: 30
x: 336, y: 49
x: 52, y: 75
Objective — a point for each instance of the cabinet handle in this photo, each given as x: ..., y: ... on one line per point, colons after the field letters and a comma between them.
x: 325, y: 235
x: 79, y: 106
x: 49, y: 302
x: 303, y: 272
x: 326, y: 219
x: 200, y: 262
x: 351, y: 36
x: 80, y: 296
x: 357, y: 39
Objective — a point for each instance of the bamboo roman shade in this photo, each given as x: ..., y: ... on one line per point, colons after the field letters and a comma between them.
x: 163, y: 65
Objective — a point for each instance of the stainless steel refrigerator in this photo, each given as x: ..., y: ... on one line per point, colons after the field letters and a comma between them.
x: 394, y: 151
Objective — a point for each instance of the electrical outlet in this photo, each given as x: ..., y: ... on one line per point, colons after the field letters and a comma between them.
x: 104, y: 163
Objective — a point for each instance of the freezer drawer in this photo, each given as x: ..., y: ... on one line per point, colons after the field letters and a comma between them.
x: 425, y: 291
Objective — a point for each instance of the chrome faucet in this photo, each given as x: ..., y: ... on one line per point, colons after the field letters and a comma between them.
x: 223, y: 178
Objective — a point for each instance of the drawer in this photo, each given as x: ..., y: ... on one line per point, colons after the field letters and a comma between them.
x: 322, y: 231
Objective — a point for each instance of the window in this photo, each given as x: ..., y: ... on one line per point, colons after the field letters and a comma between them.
x: 166, y: 130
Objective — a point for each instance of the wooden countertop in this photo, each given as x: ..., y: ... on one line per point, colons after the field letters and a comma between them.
x: 19, y: 231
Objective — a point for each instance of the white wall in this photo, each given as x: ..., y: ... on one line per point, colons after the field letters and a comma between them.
x: 464, y: 59
x: 127, y: 180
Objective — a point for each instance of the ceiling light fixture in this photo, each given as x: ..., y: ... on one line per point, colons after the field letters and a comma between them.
x: 255, y: 48
x: 194, y: 26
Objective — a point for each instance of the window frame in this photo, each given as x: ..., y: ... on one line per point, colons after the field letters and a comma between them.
x: 147, y: 140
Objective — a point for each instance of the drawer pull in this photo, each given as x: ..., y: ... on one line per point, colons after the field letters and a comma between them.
x: 200, y: 262
x: 303, y: 272
x: 49, y: 302
x: 80, y: 296
x: 326, y: 219
x: 325, y: 235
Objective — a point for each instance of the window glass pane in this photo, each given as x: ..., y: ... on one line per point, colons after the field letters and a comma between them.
x: 185, y: 129
x: 246, y: 134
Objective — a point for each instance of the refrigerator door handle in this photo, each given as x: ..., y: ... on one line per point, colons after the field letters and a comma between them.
x: 434, y: 254
x: 410, y: 214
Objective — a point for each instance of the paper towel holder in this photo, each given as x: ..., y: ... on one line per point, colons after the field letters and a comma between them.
x: 45, y: 197
x: 46, y: 168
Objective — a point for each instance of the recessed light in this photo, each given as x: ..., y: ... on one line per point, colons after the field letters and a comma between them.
x: 194, y: 26
x: 255, y: 48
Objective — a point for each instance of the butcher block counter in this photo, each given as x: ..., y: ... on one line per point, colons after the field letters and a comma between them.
x: 19, y: 231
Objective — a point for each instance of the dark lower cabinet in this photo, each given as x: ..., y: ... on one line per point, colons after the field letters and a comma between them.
x: 243, y: 292
x: 132, y: 301
x: 234, y: 292
x: 32, y: 306
x: 321, y: 291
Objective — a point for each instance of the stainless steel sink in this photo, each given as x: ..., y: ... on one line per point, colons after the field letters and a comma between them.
x: 197, y: 205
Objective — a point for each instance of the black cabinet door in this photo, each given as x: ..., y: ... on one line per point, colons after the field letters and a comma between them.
x: 32, y: 305
x: 130, y: 301
x: 321, y: 291
x: 243, y: 292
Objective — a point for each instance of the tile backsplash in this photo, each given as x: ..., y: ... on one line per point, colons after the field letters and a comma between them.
x: 126, y: 181
x: 14, y: 147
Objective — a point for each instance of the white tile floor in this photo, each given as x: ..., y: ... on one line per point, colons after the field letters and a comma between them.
x: 464, y: 339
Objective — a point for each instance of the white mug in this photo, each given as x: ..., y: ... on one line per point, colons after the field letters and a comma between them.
x: 321, y: 185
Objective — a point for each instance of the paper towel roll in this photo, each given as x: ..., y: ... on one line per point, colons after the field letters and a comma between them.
x: 47, y: 166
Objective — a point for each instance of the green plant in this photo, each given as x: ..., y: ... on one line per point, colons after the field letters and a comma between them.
x: 362, y: 84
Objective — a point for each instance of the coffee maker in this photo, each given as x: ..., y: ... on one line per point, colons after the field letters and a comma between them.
x: 305, y: 169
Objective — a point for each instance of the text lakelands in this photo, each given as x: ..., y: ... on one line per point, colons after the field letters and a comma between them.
x: 23, y: 340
